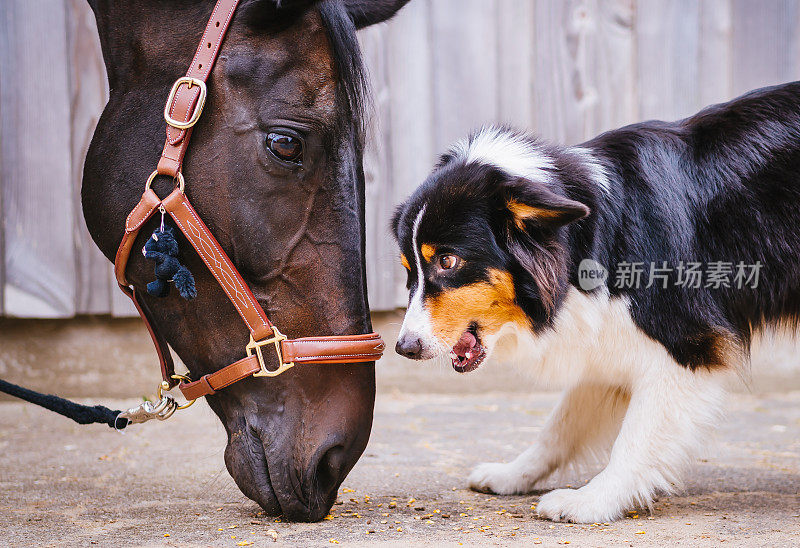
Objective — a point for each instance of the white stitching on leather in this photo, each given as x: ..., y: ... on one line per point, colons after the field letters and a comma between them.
x: 343, y: 338
x: 203, y: 72
x: 140, y: 223
x: 233, y: 292
x: 207, y: 260
x: 307, y: 358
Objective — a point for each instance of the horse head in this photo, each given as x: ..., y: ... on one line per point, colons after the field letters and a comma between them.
x: 275, y: 171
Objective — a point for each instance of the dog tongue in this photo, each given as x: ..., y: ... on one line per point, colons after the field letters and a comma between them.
x: 465, y: 344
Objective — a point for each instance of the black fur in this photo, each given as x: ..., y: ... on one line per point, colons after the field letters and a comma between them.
x: 363, y: 13
x: 723, y: 185
x: 369, y: 12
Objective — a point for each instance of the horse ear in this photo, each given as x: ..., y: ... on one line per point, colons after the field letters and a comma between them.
x: 265, y: 13
x: 532, y: 202
x: 369, y: 12
x: 293, y: 4
x: 283, y: 5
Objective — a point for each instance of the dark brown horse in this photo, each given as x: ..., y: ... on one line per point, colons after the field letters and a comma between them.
x: 275, y: 171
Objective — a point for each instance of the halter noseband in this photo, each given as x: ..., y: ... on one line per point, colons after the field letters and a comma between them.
x: 182, y: 111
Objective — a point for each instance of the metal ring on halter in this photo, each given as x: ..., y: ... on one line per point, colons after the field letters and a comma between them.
x: 178, y: 178
x: 164, y: 386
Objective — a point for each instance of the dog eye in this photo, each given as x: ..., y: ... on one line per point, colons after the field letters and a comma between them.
x: 285, y: 147
x: 449, y: 262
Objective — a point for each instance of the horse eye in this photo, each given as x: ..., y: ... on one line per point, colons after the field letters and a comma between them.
x: 448, y: 262
x: 287, y: 148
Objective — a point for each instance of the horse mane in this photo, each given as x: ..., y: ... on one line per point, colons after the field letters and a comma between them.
x: 353, y: 85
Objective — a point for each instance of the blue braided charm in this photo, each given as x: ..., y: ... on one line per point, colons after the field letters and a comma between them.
x: 162, y: 247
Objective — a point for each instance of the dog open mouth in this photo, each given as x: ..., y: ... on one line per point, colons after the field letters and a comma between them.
x: 468, y: 353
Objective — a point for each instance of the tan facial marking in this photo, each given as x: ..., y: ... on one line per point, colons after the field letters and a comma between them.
x: 523, y: 212
x: 718, y: 349
x: 404, y: 262
x: 428, y: 251
x: 491, y: 304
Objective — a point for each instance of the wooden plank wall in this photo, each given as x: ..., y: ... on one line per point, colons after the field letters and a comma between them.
x: 37, y: 179
x: 567, y: 69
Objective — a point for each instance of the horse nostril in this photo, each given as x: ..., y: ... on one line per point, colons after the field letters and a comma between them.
x: 410, y: 347
x: 329, y: 469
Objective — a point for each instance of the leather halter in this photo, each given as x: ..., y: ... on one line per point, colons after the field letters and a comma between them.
x: 183, y: 109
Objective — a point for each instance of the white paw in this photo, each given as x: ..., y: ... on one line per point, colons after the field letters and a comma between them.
x: 498, y: 478
x: 584, y: 505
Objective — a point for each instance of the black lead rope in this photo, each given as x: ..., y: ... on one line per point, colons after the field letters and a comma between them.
x: 82, y: 414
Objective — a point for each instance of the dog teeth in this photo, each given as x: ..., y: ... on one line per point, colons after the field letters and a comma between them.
x: 469, y: 355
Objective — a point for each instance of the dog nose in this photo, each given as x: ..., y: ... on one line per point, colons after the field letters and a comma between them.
x: 409, y: 346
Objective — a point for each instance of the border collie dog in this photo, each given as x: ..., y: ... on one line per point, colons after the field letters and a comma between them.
x: 633, y: 270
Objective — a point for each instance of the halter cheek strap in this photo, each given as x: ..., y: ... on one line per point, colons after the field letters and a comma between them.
x: 183, y: 110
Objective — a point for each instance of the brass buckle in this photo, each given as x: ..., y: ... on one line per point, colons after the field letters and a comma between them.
x: 198, y: 108
x: 275, y: 340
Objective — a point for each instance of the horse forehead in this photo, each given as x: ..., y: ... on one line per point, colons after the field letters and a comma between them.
x: 299, y: 55
x: 307, y: 84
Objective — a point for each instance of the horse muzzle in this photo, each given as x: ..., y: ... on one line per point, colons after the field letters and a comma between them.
x: 291, y: 458
x: 284, y: 486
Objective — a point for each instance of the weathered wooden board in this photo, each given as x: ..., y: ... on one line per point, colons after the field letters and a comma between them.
x: 38, y: 210
x: 412, y: 147
x: 612, y: 93
x: 715, y: 55
x: 88, y: 94
x: 668, y: 37
x: 377, y: 173
x: 589, y: 67
x: 464, y: 54
x: 765, y: 43
x: 515, y: 54
x: 558, y: 108
x: 566, y: 69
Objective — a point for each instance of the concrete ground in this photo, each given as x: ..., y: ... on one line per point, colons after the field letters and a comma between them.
x: 165, y: 483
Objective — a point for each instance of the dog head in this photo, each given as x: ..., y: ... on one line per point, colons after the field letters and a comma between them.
x: 484, y: 243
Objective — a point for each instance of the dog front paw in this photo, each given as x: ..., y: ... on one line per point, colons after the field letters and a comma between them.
x: 584, y: 505
x: 498, y: 478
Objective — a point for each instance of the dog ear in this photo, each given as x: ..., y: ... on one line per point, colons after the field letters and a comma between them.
x: 533, y: 206
x: 369, y: 12
x: 532, y: 202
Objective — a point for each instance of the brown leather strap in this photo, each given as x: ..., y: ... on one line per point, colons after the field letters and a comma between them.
x: 210, y: 384
x: 184, y: 105
x: 179, y: 208
x: 140, y: 214
x: 186, y: 98
x: 333, y: 349
x: 310, y: 350
x: 145, y: 209
x: 162, y: 347
x: 317, y: 350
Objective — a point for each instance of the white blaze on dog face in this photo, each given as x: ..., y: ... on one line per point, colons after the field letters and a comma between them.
x: 416, y: 323
x: 455, y: 305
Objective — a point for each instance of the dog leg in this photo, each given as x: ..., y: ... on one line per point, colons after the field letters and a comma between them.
x: 669, y: 416
x: 583, y: 424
